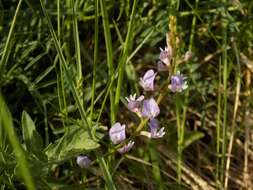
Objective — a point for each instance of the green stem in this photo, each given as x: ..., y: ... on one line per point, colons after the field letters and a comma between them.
x: 225, y: 77
x: 79, y: 76
x: 179, y: 143
x: 95, y: 60
x: 109, y: 53
x: 127, y: 45
x: 60, y: 79
x: 218, y: 130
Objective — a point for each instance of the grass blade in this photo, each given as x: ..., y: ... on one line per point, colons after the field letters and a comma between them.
x: 109, y: 53
x: 123, y: 59
x: 100, y: 158
x: 4, y: 58
x: 6, y: 122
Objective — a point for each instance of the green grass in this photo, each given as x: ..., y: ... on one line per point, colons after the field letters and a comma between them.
x: 67, y: 66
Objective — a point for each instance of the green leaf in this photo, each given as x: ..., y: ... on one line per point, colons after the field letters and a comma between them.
x: 75, y: 141
x: 31, y: 137
x: 191, y: 137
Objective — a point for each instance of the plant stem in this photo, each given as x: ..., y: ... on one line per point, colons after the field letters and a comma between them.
x: 93, y: 91
x: 225, y: 77
x: 123, y: 59
x: 109, y: 53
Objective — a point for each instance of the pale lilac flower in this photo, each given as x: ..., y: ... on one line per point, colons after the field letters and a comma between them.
x: 166, y: 55
x: 83, y: 161
x: 134, y: 104
x: 154, y: 126
x: 178, y: 83
x: 126, y: 147
x: 150, y: 108
x: 117, y: 133
x: 161, y: 66
x: 147, y: 82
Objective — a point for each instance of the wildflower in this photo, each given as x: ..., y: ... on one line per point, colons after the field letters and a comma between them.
x: 166, y: 55
x: 154, y: 126
x: 150, y: 108
x: 134, y: 104
x: 161, y: 66
x: 117, y: 133
x: 83, y: 161
x: 147, y: 82
x: 154, y: 132
x: 177, y: 83
x: 126, y: 147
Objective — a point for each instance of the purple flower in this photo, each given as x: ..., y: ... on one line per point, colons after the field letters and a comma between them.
x: 177, y: 83
x: 83, y: 161
x: 161, y: 66
x: 166, y: 55
x: 154, y: 126
x: 126, y: 147
x: 147, y: 82
x: 134, y: 104
x: 117, y: 133
x: 150, y: 108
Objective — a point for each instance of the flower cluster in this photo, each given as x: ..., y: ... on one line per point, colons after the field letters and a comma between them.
x: 146, y: 108
x: 143, y: 108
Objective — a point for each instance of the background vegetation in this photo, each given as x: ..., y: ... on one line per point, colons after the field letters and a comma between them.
x: 67, y: 66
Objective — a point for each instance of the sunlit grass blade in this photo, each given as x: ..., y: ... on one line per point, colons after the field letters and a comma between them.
x: 218, y: 130
x: 79, y: 76
x: 125, y: 54
x: 59, y: 70
x: 7, y: 46
x: 109, y: 55
x: 225, y: 82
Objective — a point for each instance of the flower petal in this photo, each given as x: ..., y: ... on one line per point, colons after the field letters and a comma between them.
x: 147, y: 82
x: 83, y: 161
x: 117, y: 133
x: 150, y: 108
x: 126, y: 147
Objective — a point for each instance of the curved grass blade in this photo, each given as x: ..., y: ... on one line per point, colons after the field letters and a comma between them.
x: 6, y: 122
x: 6, y: 51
